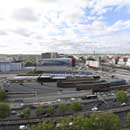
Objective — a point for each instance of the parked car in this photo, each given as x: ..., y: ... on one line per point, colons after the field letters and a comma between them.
x: 23, y: 127
x: 94, y: 108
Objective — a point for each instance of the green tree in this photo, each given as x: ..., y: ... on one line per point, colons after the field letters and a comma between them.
x: 76, y: 106
x: 62, y: 108
x: 30, y: 61
x: 121, y: 96
x: 103, y: 121
x: 4, y: 110
x: 43, y: 126
x: 26, y: 113
x: 2, y: 95
x: 80, y: 122
x: 39, y: 111
x: 50, y: 109
x: 64, y: 124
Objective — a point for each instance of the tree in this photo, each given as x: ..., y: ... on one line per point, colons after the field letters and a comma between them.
x: 64, y: 124
x: 2, y: 95
x: 62, y: 108
x: 80, y: 122
x: 50, y: 109
x: 43, y: 126
x: 26, y: 113
x: 75, y: 106
x: 4, y: 110
x: 39, y: 111
x: 103, y: 121
x: 121, y: 96
x: 30, y: 61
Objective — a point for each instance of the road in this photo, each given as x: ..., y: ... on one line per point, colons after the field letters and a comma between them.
x: 9, y: 127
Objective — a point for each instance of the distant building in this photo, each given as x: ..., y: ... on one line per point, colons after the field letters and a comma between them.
x: 49, y: 55
x: 55, y: 64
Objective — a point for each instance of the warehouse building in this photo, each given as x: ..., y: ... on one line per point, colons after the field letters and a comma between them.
x: 56, y: 64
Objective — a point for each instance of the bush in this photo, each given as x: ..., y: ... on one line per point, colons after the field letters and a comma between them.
x: 76, y: 106
x: 103, y: 121
x: 26, y: 113
x: 2, y: 95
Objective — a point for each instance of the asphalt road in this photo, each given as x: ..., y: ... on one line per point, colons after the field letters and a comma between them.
x: 9, y: 127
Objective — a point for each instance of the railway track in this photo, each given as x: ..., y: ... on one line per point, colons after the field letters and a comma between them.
x: 37, y: 120
x: 20, y: 95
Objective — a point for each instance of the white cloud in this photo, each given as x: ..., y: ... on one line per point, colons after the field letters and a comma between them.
x: 2, y: 32
x: 34, y: 26
x: 25, y: 14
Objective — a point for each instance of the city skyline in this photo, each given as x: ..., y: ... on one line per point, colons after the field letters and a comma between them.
x: 76, y: 26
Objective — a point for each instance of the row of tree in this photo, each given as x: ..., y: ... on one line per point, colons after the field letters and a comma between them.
x: 50, y: 110
x: 96, y: 121
x: 75, y: 106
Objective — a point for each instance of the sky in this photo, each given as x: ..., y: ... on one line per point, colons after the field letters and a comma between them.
x: 64, y: 26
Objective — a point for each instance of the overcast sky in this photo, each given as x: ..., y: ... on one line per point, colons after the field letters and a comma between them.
x: 65, y: 26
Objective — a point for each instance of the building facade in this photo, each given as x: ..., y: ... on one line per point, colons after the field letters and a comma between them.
x: 10, y: 66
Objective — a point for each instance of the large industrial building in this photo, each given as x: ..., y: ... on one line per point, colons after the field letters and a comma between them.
x: 55, y: 64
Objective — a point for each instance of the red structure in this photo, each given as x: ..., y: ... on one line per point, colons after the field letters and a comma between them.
x: 73, y: 62
x: 125, y: 59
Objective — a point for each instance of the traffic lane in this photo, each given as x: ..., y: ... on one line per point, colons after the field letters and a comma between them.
x: 88, y: 107
x: 14, y: 127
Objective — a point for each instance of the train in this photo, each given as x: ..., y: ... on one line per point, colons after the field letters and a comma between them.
x: 95, y: 85
x: 70, y: 78
x: 73, y: 83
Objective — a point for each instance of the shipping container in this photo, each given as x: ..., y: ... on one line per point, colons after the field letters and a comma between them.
x: 118, y: 82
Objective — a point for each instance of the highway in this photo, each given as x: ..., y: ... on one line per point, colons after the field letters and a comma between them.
x: 7, y: 127
x: 122, y: 112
